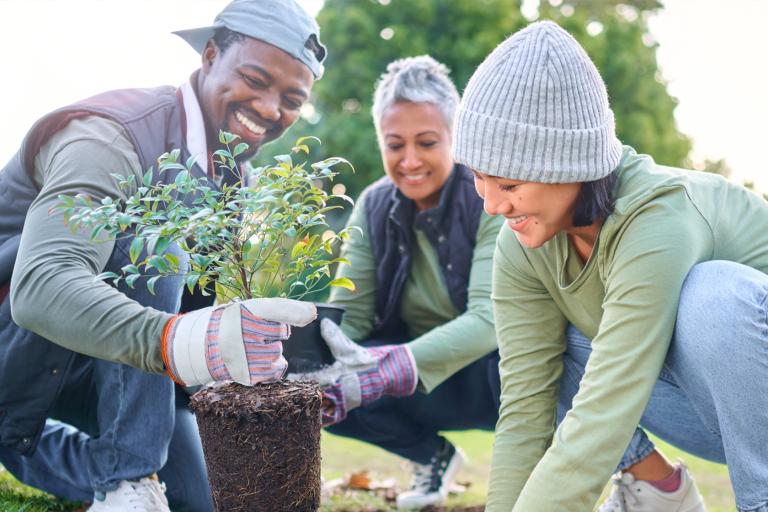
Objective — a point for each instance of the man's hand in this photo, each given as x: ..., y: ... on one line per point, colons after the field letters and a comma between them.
x: 240, y: 341
x: 360, y: 375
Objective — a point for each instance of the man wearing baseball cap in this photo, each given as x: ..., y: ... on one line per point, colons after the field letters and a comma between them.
x: 87, y: 409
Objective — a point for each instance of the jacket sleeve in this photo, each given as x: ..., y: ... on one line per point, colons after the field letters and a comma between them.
x: 53, y: 290
x: 530, y: 330
x: 358, y: 319
x: 448, y: 348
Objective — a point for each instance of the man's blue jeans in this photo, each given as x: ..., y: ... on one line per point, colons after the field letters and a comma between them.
x: 113, y: 422
x: 711, y: 398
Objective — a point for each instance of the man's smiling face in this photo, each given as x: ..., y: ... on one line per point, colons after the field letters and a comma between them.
x: 251, y: 89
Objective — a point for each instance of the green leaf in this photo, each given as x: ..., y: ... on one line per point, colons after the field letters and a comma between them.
x: 137, y: 245
x: 226, y: 137
x: 146, y: 180
x: 239, y: 149
x: 343, y: 282
x: 151, y: 284
x: 131, y: 280
x: 67, y: 201
x: 158, y: 263
x: 172, y: 260
x: 162, y: 244
x: 192, y: 281
x: 182, y: 178
x: 301, y: 140
x: 130, y: 269
x: 284, y: 159
x: 107, y: 275
x: 191, y: 162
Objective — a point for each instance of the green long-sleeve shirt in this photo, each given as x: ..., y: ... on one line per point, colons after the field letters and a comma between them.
x: 444, y: 341
x: 625, y: 299
x: 54, y: 293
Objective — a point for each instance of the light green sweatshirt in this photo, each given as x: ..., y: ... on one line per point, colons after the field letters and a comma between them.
x: 54, y: 290
x: 444, y: 341
x: 625, y: 299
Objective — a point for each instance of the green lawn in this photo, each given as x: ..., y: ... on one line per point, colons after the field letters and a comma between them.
x: 344, y: 456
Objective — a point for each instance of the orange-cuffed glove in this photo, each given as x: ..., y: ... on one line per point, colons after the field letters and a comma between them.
x: 239, y: 341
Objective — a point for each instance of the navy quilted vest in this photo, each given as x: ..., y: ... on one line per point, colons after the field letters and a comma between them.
x: 451, y: 228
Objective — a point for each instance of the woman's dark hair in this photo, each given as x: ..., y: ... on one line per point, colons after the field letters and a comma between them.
x: 595, y: 200
x: 223, y: 37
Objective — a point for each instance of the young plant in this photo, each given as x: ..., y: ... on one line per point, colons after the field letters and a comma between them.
x: 263, y: 234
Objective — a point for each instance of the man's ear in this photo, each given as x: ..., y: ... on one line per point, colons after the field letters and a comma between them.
x: 209, y: 55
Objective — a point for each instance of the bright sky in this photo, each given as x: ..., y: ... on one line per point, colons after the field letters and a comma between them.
x: 61, y: 51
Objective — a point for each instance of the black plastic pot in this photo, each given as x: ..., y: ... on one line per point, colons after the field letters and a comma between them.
x: 305, y: 350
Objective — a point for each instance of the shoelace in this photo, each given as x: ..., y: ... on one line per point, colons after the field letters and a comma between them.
x: 428, y: 477
x: 621, y: 496
x: 421, y: 478
x: 148, y: 491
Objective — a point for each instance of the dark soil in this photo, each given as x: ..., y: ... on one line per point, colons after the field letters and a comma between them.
x: 262, y: 445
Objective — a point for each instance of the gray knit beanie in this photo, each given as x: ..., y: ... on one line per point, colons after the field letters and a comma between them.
x: 537, y: 110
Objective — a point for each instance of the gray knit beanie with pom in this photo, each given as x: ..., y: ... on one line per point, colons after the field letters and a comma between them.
x: 537, y: 110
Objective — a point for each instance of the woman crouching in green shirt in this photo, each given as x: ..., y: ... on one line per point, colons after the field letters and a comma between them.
x: 625, y: 293
x: 422, y: 270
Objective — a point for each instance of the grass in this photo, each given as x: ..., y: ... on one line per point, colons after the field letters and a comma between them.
x: 344, y: 456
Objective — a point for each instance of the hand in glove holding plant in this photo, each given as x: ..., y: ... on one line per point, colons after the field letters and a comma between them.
x: 360, y: 375
x: 239, y: 341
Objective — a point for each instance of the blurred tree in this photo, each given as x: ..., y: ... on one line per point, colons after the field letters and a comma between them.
x: 363, y: 36
x: 722, y: 168
x: 616, y: 37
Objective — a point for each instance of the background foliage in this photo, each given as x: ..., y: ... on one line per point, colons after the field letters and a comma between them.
x: 461, y: 34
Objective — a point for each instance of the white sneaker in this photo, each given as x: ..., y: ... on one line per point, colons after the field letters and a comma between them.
x: 146, y: 495
x: 430, y: 482
x: 630, y: 495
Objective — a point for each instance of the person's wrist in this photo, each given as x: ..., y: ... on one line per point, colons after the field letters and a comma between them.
x: 398, y: 369
x: 166, y: 348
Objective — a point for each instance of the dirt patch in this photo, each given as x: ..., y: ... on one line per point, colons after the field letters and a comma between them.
x: 262, y: 445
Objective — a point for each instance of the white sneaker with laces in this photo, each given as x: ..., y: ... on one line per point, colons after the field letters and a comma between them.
x: 630, y: 495
x: 146, y: 495
x: 430, y: 482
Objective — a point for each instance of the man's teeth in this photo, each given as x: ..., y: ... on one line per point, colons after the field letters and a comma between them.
x: 414, y: 177
x: 255, y: 128
x: 517, y: 220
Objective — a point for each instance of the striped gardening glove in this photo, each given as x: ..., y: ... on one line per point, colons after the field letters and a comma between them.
x: 239, y: 341
x: 360, y: 375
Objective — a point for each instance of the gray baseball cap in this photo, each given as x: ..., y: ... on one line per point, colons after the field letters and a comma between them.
x: 281, y: 23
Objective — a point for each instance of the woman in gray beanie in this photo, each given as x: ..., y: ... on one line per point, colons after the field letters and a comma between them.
x: 625, y: 293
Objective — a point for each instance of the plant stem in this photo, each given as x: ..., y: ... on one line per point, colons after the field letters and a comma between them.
x: 239, y: 258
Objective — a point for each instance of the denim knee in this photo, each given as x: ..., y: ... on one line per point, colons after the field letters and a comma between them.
x: 718, y: 301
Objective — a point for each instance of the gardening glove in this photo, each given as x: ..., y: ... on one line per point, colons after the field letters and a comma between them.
x: 239, y: 341
x: 360, y: 375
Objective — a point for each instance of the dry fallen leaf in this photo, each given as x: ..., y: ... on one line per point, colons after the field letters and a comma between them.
x: 359, y: 480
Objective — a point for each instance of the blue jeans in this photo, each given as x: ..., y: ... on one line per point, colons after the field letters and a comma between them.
x: 113, y: 422
x: 711, y: 398
x: 410, y: 426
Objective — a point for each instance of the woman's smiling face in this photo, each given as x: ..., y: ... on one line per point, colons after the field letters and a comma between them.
x: 536, y: 212
x: 415, y: 144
